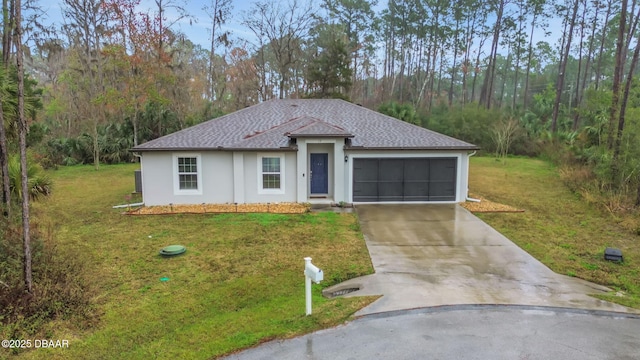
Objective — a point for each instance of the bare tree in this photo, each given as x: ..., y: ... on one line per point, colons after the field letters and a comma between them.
x: 282, y: 30
x: 22, y: 134
x: 85, y: 30
x: 219, y: 11
x: 503, y: 134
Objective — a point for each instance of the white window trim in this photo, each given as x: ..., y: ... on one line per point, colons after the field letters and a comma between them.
x: 176, y: 176
x: 262, y: 190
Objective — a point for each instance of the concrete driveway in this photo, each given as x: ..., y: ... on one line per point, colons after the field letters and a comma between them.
x: 433, y: 255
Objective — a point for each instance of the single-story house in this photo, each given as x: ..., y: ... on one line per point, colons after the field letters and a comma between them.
x: 304, y: 151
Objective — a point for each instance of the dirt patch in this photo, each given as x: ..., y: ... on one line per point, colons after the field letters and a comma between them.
x: 276, y: 208
x: 486, y: 206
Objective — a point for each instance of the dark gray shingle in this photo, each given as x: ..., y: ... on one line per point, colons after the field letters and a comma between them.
x: 267, y: 126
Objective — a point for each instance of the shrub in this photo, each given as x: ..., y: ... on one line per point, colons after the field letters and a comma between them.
x: 59, y: 290
x: 471, y: 123
x: 39, y: 183
x: 404, y: 112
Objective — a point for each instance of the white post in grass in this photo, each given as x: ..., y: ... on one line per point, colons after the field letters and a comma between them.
x: 311, y: 273
x: 307, y: 285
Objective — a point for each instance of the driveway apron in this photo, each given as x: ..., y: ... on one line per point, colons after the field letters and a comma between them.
x: 433, y: 255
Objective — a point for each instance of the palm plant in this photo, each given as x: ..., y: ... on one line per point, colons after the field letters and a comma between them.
x: 39, y: 183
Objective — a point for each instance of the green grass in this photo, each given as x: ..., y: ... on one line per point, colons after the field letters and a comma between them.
x: 558, y: 227
x: 239, y: 283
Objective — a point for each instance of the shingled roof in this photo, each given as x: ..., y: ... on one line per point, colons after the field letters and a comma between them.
x: 271, y: 124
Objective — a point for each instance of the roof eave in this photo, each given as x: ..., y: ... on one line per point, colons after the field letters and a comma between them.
x: 214, y: 149
x: 296, y: 136
x: 439, y: 148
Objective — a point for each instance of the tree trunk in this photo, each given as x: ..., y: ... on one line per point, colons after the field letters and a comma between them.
x: 4, y: 149
x: 631, y: 29
x: 455, y: 58
x: 602, y: 41
x: 585, y: 76
x: 8, y: 13
x: 4, y: 167
x: 476, y: 70
x: 134, y: 121
x: 22, y: 134
x: 529, y: 57
x: 617, y: 75
x: 212, y: 77
x: 563, y: 67
x: 580, y: 48
x: 516, y: 69
x: 440, y: 71
x: 623, y: 108
x: 467, y: 58
x: 505, y: 70
x: 434, y: 58
x: 487, y: 89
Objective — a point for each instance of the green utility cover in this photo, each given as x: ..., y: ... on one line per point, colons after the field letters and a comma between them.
x: 173, y: 250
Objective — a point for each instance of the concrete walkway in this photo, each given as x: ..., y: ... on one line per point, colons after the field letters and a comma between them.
x: 434, y: 255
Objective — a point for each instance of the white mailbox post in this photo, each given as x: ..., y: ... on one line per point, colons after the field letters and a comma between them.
x: 311, y: 273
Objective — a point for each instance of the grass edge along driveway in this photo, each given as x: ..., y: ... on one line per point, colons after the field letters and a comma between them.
x: 558, y: 227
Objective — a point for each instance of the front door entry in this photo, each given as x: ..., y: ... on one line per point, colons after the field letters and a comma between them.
x: 319, y: 174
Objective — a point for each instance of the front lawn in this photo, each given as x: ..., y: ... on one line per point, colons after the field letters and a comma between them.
x: 558, y: 227
x: 239, y: 283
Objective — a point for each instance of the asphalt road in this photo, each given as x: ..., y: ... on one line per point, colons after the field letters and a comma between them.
x: 468, y: 332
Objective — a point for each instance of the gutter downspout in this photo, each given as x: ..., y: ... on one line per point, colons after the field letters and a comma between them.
x: 469, y: 198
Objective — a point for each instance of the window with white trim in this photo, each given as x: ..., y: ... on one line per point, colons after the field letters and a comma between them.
x: 271, y: 173
x: 187, y: 174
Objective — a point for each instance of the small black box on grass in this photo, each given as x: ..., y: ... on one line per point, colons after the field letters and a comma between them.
x: 612, y: 254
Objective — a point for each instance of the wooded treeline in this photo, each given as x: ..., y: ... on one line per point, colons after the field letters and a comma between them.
x: 114, y: 76
x: 524, y: 72
x: 111, y: 75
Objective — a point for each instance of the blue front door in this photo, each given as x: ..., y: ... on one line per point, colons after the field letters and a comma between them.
x: 319, y: 173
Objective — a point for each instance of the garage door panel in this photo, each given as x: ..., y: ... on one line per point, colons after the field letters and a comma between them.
x: 442, y: 186
x: 442, y: 170
x: 365, y: 192
x: 416, y: 179
x: 390, y: 191
x: 390, y: 170
x: 390, y: 180
x: 442, y: 191
x: 365, y: 170
x: 416, y: 191
x: 416, y: 169
x: 404, y: 179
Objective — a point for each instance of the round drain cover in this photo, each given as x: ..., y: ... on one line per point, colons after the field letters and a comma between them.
x: 173, y: 250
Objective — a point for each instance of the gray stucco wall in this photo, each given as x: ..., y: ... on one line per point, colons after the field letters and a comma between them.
x: 228, y: 177
x: 158, y: 178
x: 252, y: 179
